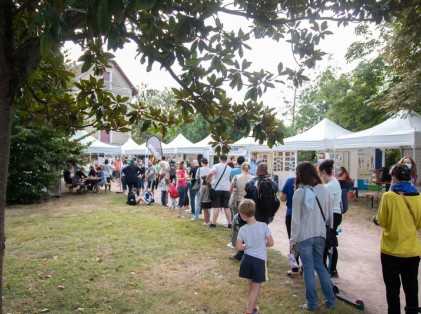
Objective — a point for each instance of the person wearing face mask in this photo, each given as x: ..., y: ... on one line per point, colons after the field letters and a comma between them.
x: 400, y: 217
x: 182, y: 179
x: 410, y: 163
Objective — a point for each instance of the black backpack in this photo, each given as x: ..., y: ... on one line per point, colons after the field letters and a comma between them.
x: 131, y: 199
x: 267, y: 202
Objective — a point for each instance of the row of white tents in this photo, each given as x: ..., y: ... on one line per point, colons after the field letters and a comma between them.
x: 401, y: 130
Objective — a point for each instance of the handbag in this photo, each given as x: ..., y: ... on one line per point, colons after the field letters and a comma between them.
x: 196, y: 186
x: 411, y: 212
x: 212, y: 192
x: 233, y: 198
x: 331, y: 239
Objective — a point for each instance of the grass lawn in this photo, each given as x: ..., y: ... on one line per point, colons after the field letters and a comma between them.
x: 94, y: 254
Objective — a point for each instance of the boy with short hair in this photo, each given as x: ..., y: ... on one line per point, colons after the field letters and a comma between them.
x: 253, y: 238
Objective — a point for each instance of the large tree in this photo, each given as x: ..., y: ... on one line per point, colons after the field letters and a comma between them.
x: 187, y: 33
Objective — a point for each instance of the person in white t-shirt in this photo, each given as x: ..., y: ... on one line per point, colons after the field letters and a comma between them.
x: 220, y: 175
x: 335, y: 192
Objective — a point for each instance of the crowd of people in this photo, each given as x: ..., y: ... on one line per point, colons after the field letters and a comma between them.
x: 314, y: 200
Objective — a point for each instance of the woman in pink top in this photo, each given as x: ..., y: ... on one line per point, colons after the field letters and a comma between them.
x: 182, y: 178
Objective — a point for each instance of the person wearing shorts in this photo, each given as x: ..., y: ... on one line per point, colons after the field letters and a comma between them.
x: 253, y: 238
x: 220, y: 175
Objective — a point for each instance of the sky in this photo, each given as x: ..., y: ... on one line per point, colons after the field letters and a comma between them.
x: 265, y: 54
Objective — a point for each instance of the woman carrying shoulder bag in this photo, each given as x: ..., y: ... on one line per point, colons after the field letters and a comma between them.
x: 308, y: 232
x: 335, y: 191
x: 400, y: 217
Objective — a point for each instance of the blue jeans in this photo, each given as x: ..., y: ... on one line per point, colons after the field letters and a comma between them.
x: 311, y: 253
x: 164, y: 197
x: 192, y: 201
x: 197, y: 208
x: 182, y: 191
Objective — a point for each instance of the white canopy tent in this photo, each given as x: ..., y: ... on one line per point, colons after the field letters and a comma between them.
x: 132, y: 148
x: 204, y: 143
x: 95, y: 146
x: 179, y: 145
x: 404, y: 129
x: 203, y: 147
x: 322, y: 136
x: 247, y: 145
x: 98, y: 147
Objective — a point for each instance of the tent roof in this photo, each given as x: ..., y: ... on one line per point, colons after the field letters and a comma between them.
x: 248, y: 141
x: 177, y: 145
x: 404, y: 129
x: 246, y: 145
x: 95, y: 146
x: 131, y: 147
x: 205, y: 142
x: 320, y: 136
x: 179, y: 141
x: 98, y: 147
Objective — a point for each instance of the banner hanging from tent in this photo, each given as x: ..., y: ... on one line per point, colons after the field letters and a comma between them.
x: 154, y: 145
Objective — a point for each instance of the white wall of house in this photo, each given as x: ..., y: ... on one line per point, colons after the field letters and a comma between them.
x: 116, y: 82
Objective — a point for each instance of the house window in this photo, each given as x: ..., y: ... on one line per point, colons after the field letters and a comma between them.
x: 105, y: 137
x: 108, y: 80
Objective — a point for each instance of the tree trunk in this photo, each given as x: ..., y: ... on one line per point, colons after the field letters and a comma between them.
x: 5, y: 136
x: 5, y: 123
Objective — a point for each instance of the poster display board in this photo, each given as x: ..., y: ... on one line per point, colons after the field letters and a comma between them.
x: 284, y: 161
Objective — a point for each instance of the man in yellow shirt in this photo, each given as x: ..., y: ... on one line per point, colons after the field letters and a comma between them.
x: 400, y: 216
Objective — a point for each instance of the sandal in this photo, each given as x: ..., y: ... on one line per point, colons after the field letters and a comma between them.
x: 305, y: 307
x: 293, y: 273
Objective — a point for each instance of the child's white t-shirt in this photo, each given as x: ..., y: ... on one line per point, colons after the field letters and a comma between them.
x: 254, y: 237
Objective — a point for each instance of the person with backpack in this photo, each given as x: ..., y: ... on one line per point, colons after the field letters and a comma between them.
x: 263, y: 191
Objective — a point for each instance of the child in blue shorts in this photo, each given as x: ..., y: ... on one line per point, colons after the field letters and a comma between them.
x: 253, y: 238
x: 149, y: 199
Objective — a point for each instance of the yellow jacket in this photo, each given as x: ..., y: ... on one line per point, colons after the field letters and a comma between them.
x: 400, y: 236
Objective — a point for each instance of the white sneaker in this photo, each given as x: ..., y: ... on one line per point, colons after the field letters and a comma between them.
x: 193, y: 219
x: 230, y: 245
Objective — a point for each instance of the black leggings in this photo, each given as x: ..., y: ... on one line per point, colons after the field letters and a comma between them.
x: 337, y: 219
x: 288, y: 225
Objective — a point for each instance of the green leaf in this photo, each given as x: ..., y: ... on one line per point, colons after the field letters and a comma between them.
x: 108, y: 55
x: 245, y: 65
x: 251, y: 94
x: 104, y: 17
x: 46, y: 43
x: 280, y: 68
x: 86, y: 66
x: 145, y: 5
